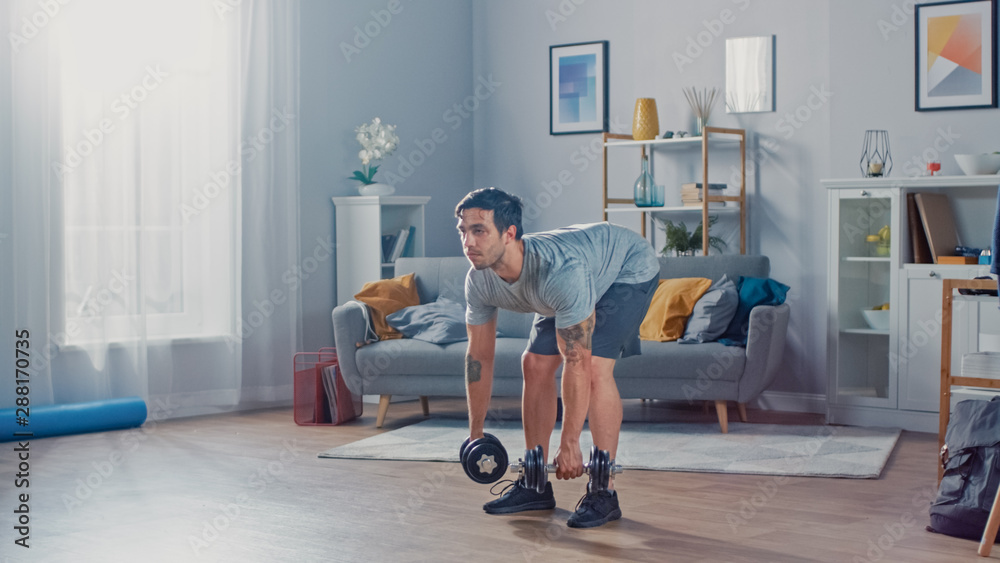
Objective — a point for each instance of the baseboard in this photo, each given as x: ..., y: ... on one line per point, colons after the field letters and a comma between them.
x: 792, y: 402
x: 914, y: 421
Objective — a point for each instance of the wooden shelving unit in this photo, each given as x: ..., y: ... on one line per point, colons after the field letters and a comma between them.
x: 948, y: 287
x: 712, y: 137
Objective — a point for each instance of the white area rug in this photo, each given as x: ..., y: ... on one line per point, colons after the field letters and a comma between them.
x: 755, y: 449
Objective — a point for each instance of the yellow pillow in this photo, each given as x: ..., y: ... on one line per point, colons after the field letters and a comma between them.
x: 385, y: 297
x: 672, y: 304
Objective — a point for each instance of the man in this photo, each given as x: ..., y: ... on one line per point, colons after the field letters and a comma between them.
x: 590, y: 287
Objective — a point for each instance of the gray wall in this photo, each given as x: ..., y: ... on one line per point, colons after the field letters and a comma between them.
x: 411, y: 72
x: 842, y: 67
x: 654, y: 52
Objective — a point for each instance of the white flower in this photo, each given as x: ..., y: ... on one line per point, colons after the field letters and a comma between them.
x: 377, y: 141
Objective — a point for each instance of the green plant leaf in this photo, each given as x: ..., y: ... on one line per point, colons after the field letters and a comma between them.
x: 677, y: 236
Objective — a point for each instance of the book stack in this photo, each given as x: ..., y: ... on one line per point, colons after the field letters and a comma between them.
x: 981, y: 364
x: 397, y: 244
x: 691, y: 194
x: 343, y: 406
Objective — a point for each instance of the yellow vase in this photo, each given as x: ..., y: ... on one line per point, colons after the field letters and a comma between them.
x: 645, y: 123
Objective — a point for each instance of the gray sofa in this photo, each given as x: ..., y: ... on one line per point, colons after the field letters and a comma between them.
x: 665, y: 370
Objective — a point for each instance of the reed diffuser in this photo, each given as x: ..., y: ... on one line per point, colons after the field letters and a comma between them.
x: 701, y: 102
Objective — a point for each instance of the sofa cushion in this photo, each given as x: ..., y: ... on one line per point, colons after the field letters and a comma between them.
x: 439, y: 322
x: 712, y: 313
x: 416, y: 357
x: 753, y: 292
x: 710, y: 361
x: 388, y: 296
x: 445, y: 277
x: 437, y: 277
x: 672, y: 304
x: 713, y: 267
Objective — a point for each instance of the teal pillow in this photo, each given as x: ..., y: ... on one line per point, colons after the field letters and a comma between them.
x: 439, y: 322
x: 753, y: 292
x: 712, y: 313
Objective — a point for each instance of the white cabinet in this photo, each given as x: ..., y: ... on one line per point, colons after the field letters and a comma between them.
x: 918, y: 355
x: 360, y: 223
x: 861, y: 278
x: 890, y: 376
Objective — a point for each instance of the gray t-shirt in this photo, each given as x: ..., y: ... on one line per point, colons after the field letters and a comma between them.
x: 565, y: 272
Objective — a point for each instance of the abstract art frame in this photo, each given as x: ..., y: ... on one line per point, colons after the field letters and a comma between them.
x: 578, y: 88
x: 956, y: 65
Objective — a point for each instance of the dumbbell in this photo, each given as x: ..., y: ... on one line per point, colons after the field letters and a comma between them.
x: 483, y: 459
x: 536, y: 473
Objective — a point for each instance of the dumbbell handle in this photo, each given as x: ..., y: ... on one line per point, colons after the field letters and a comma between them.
x: 551, y: 468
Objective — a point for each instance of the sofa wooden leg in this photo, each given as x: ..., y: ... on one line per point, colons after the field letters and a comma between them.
x: 383, y: 407
x: 425, y: 405
x: 721, y: 411
x: 742, y: 408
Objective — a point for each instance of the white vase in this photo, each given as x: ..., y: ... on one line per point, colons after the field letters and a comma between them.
x: 376, y: 189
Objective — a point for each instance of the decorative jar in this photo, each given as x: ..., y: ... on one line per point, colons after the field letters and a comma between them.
x: 645, y: 123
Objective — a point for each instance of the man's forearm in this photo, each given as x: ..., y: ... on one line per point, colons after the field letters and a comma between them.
x: 576, y: 400
x: 478, y: 389
x: 575, y: 346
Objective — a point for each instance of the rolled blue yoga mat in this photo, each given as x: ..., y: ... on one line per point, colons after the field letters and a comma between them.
x: 74, y: 418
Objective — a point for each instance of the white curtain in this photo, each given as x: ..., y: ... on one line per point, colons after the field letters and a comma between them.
x: 155, y: 194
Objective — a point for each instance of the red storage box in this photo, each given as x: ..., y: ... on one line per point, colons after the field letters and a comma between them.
x: 320, y: 395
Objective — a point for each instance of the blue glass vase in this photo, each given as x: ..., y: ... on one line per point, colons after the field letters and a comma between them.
x: 644, y: 186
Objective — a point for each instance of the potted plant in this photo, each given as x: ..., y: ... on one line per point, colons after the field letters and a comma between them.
x: 678, y: 238
x: 378, y: 140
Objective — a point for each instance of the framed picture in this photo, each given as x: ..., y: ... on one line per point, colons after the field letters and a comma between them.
x: 578, y: 88
x: 956, y: 55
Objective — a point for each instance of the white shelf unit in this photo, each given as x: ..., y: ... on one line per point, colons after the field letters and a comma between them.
x: 360, y: 223
x: 891, y: 377
x: 713, y: 137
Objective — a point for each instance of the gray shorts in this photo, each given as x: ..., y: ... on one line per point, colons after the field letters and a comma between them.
x: 619, y: 312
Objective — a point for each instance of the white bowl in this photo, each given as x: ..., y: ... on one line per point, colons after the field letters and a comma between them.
x: 878, y: 320
x: 978, y: 164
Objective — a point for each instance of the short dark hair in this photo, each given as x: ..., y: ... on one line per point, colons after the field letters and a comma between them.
x: 506, y: 208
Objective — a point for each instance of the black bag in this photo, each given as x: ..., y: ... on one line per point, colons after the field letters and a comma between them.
x: 971, y: 458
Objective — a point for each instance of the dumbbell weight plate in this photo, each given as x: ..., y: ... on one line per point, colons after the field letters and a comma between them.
x: 465, y: 445
x: 599, y: 470
x: 461, y: 450
x: 484, y: 460
x: 535, y: 472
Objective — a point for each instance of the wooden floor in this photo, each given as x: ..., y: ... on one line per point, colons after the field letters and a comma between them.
x: 249, y: 487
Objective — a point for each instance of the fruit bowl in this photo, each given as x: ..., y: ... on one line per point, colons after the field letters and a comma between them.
x: 978, y: 164
x: 876, y: 319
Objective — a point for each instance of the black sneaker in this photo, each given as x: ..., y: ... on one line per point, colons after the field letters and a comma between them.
x: 515, y: 497
x: 595, y: 509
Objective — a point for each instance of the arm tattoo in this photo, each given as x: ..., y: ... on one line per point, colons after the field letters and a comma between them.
x: 577, y: 337
x: 473, y: 370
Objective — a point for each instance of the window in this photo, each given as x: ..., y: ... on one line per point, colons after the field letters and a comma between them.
x: 150, y: 171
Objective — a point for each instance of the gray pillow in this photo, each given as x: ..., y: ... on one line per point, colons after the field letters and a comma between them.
x: 712, y: 313
x: 440, y: 322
